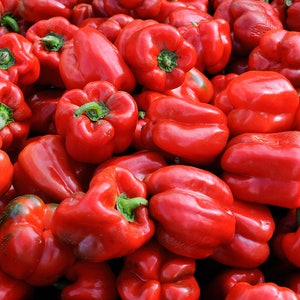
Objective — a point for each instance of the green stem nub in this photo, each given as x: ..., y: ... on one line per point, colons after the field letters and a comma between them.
x: 7, y: 60
x: 6, y: 115
x: 93, y: 110
x: 126, y: 206
x: 53, y: 41
x: 167, y: 60
x: 10, y: 23
x: 288, y: 3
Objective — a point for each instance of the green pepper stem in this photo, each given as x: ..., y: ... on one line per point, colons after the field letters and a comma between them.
x: 287, y: 3
x: 167, y: 60
x: 53, y: 41
x: 10, y: 23
x: 93, y: 110
x: 7, y: 60
x: 6, y: 115
x: 126, y: 206
x: 141, y: 114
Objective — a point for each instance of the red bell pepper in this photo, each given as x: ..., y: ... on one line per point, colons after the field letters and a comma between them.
x: 80, y: 12
x: 292, y: 15
x: 249, y: 20
x: 44, y: 168
x: 191, y: 132
x: 42, y: 104
x: 254, y: 228
x: 118, y: 222
x: 84, y: 62
x: 140, y: 163
x: 29, y: 251
x: 158, y: 56
x: 91, y: 281
x: 278, y: 50
x: 212, y: 41
x: 6, y: 168
x: 14, y: 117
x: 259, y: 101
x: 49, y: 38
x: 152, y: 272
x: 166, y: 8
x: 265, y: 290
x: 96, y: 122
x: 221, y: 284
x: 264, y: 168
x: 35, y: 10
x: 14, y: 289
x: 17, y: 60
x: 198, y: 202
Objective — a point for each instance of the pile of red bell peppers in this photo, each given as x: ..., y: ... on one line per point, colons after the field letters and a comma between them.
x: 149, y: 149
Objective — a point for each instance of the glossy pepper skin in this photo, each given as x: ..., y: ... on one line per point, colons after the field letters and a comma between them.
x: 152, y: 272
x: 264, y: 168
x: 49, y: 37
x: 6, y: 167
x: 44, y: 168
x: 212, y: 40
x: 17, y: 61
x: 84, y: 62
x: 184, y: 129
x: 91, y: 281
x: 15, y: 116
x: 34, y: 10
x: 159, y: 56
x: 258, y: 102
x: 96, y: 122
x: 254, y: 228
x: 29, y: 251
x: 278, y: 50
x: 118, y: 222
x: 198, y: 202
x: 267, y: 290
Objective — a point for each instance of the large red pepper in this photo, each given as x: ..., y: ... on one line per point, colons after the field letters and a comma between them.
x: 278, y: 50
x: 254, y: 228
x: 96, y: 122
x: 17, y: 60
x: 158, y: 56
x: 45, y: 169
x: 35, y: 10
x: 152, y: 272
x: 84, y: 62
x: 91, y: 281
x: 259, y: 101
x: 264, y: 168
x: 14, y: 117
x: 49, y: 38
x: 192, y: 132
x: 198, y: 202
x: 118, y: 221
x: 212, y: 41
x: 264, y: 290
x: 29, y: 251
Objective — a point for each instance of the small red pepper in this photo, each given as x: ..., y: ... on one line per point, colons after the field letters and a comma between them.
x: 17, y: 60
x: 118, y: 222
x: 29, y: 251
x: 198, y: 202
x: 49, y: 38
x: 264, y: 168
x: 89, y: 281
x: 152, y: 272
x: 14, y: 117
x: 96, y: 122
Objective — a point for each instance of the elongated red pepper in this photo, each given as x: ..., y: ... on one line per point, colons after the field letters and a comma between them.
x: 14, y: 117
x: 83, y: 62
x: 49, y: 38
x: 264, y: 168
x: 198, y: 202
x: 89, y: 281
x: 152, y: 272
x: 118, y: 221
x: 96, y: 122
x: 29, y: 251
